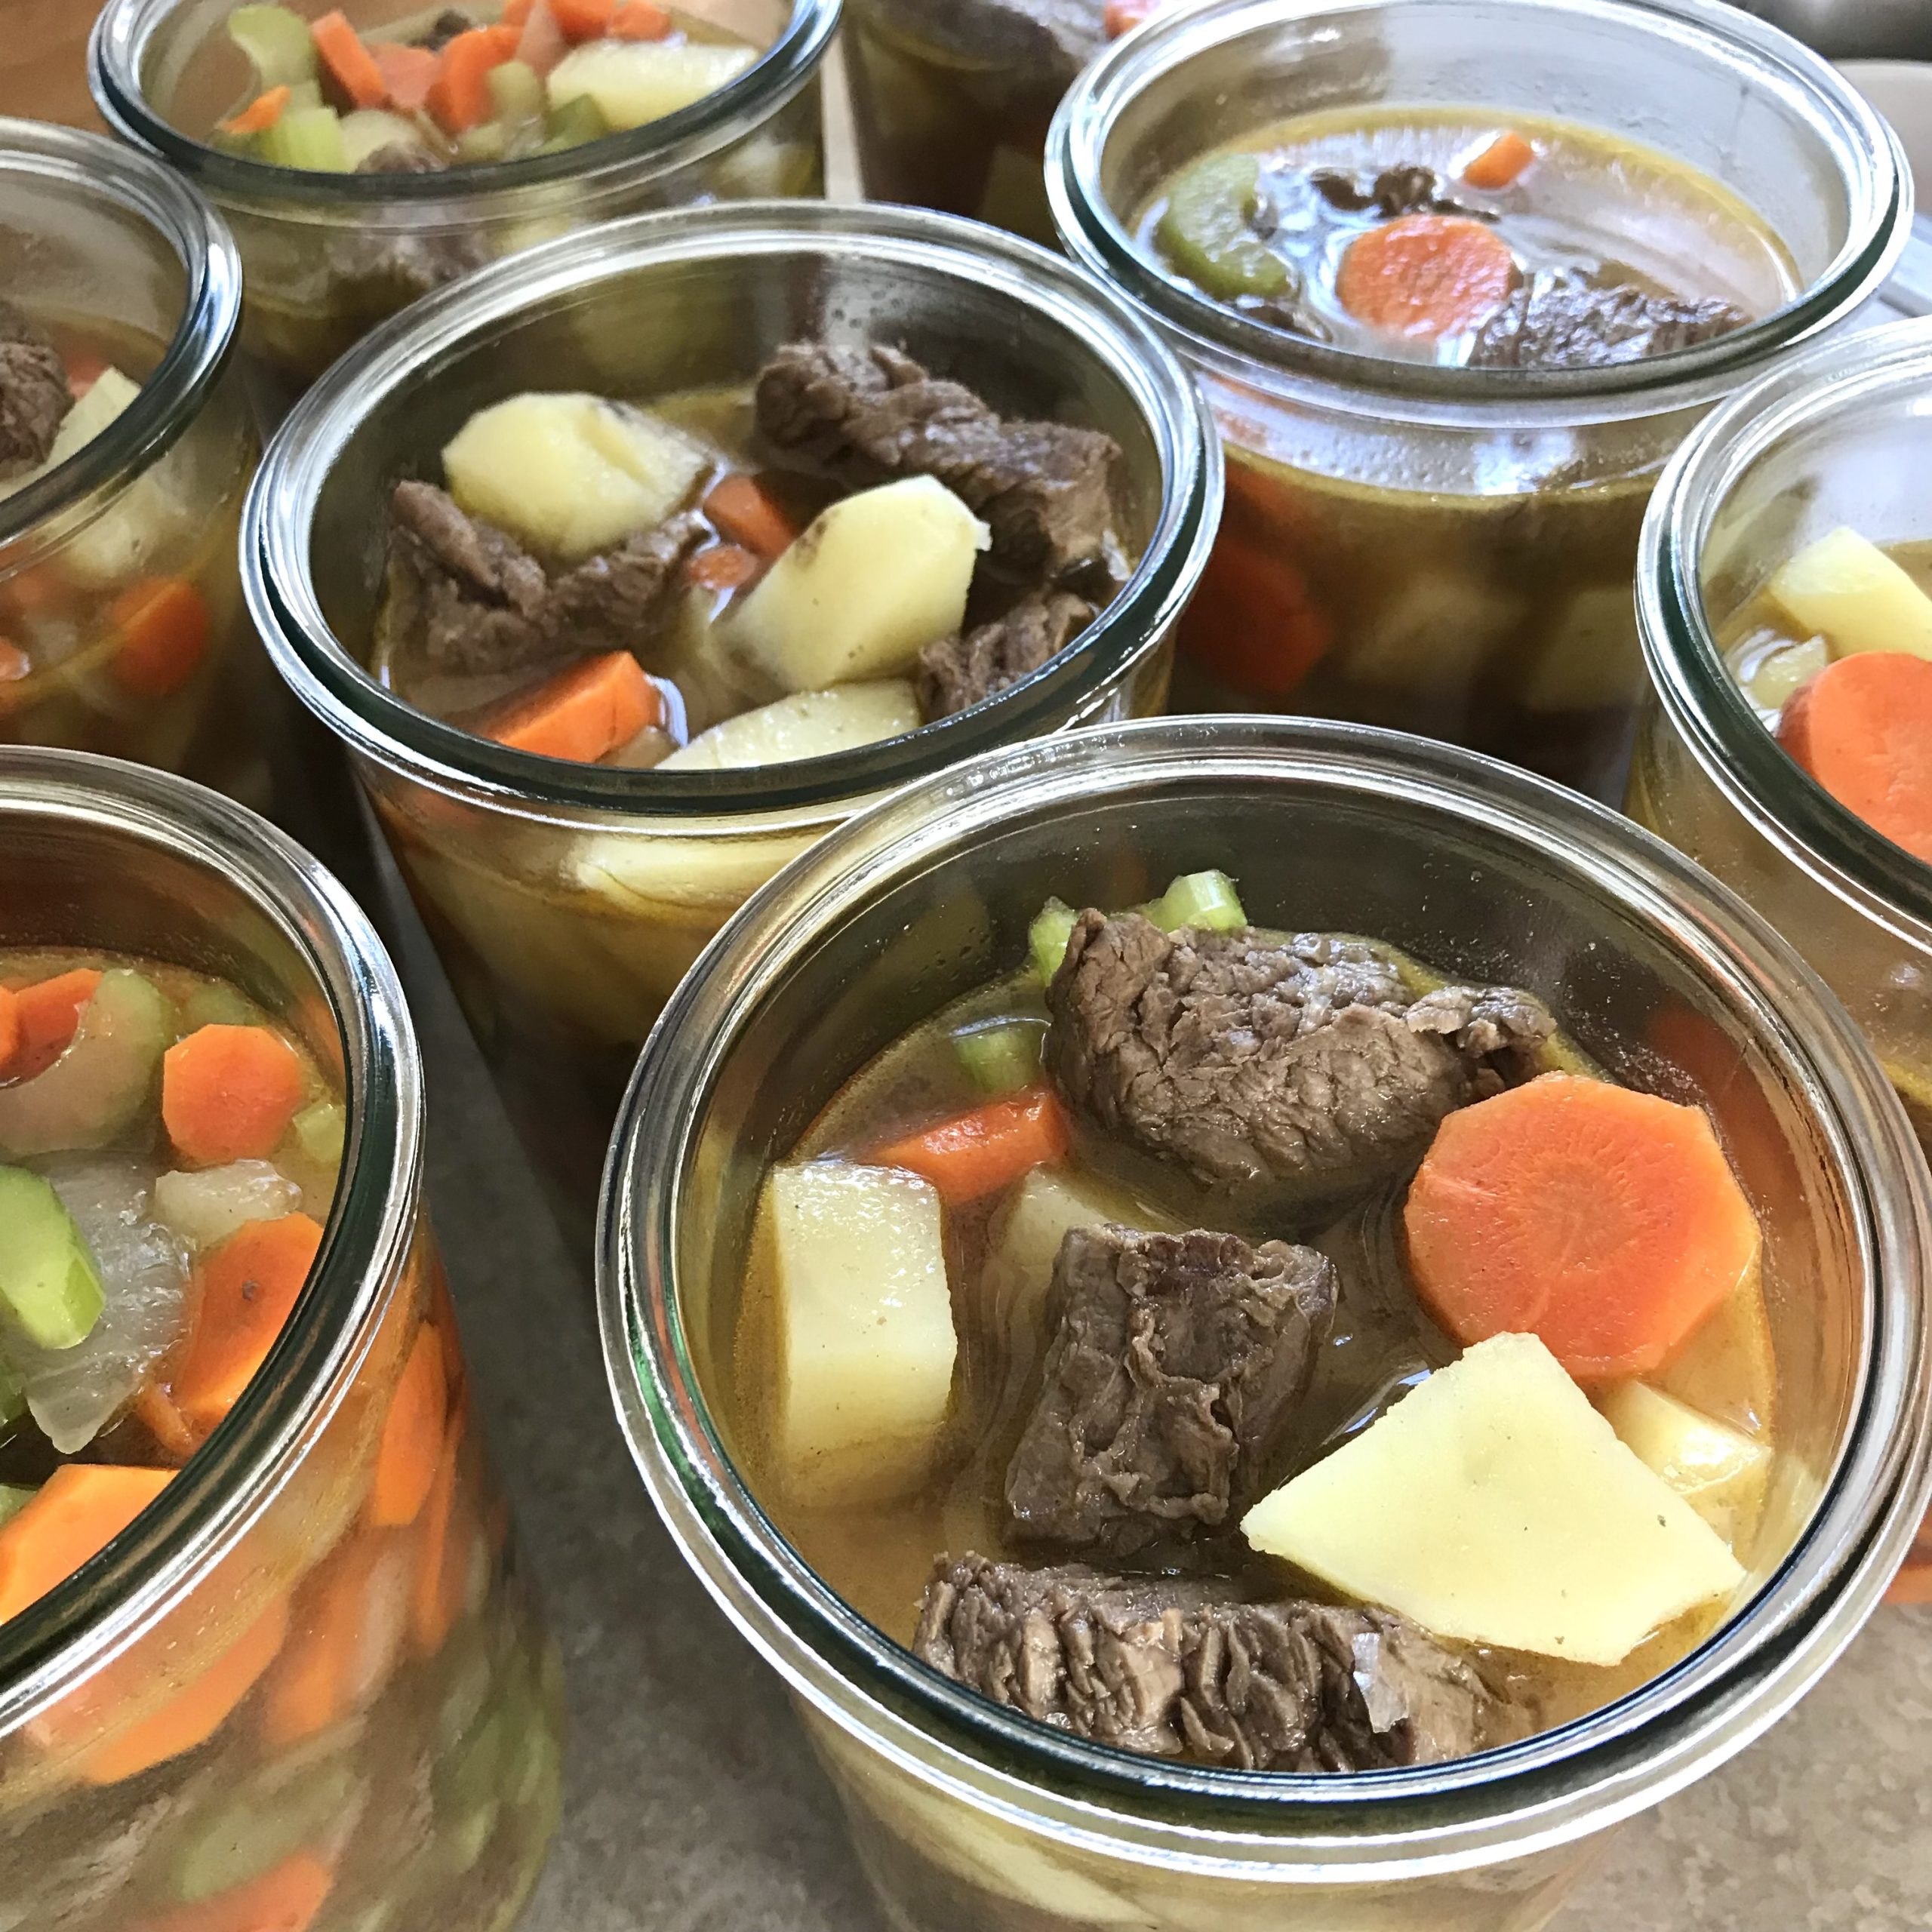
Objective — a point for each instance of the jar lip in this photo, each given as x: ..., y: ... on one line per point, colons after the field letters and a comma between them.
x: 226, y: 1484
x: 1547, y: 1789
x: 173, y: 395
x: 410, y: 349
x: 119, y: 48
x: 1880, y: 188
x: 1778, y: 796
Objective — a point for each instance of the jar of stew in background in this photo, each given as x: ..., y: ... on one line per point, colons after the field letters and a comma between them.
x: 1439, y: 548
x: 306, y: 1683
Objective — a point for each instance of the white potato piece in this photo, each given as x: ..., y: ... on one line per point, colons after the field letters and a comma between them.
x: 1854, y: 596
x: 856, y: 1269
x: 1494, y: 1505
x: 876, y: 578
x: 369, y: 129
x: 106, y: 402
x: 1026, y: 1241
x: 1720, y: 1473
x: 634, y: 82
x: 569, y: 474
x: 808, y: 724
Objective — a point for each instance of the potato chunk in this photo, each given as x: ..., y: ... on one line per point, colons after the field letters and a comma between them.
x: 875, y: 578
x: 808, y: 724
x: 634, y: 82
x: 1855, y: 597
x: 1720, y: 1473
x: 1494, y: 1505
x: 864, y: 1315
x: 570, y: 475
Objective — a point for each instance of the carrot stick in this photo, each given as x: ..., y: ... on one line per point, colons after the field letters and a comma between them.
x: 228, y: 1093
x: 49, y: 1013
x: 76, y: 1513
x: 1607, y: 1222
x: 1863, y: 727
x: 10, y: 1027
x: 165, y: 625
x: 1124, y: 15
x: 639, y: 19
x: 584, y: 713
x: 724, y: 566
x: 516, y: 14
x: 1254, y: 623
x: 744, y: 512
x: 980, y: 1151
x: 349, y: 1624
x: 1425, y: 275
x: 583, y: 19
x: 350, y: 64
x: 288, y: 1898
x: 1501, y: 162
x: 436, y: 1598
x: 248, y: 1286
x: 155, y: 1411
x: 260, y: 115
x: 408, y: 73
x: 412, y: 1441
x: 460, y: 96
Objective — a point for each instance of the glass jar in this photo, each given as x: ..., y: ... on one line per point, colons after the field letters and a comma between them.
x: 1448, y: 551
x: 567, y: 901
x: 971, y: 1819
x: 123, y: 263
x: 1836, y: 436
x: 329, y: 255
x: 433, y: 1801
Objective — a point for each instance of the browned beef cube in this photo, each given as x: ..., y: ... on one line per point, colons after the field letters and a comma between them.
x: 956, y: 673
x: 35, y: 397
x: 1565, y: 321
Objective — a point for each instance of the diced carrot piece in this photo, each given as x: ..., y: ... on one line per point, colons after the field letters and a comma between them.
x: 459, y: 98
x: 76, y: 1513
x: 1607, y: 1222
x: 287, y: 1898
x: 516, y: 13
x: 1500, y: 163
x: 1425, y: 275
x: 436, y: 1599
x: 248, y: 1286
x: 442, y: 1316
x: 9, y: 1027
x: 1912, y: 1585
x: 14, y: 663
x: 541, y: 44
x: 350, y: 1622
x: 155, y: 1411
x: 583, y: 19
x: 408, y: 73
x: 412, y: 1441
x: 228, y: 1093
x: 165, y: 625
x: 724, y: 566
x: 257, y: 118
x: 49, y: 1013
x: 977, y: 1152
x: 350, y: 64
x: 1254, y: 623
x: 1124, y: 15
x: 639, y: 19
x: 85, y: 367
x: 1863, y: 727
x: 585, y: 713
x: 744, y: 512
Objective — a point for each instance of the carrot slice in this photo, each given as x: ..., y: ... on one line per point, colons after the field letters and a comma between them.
x: 248, y: 1285
x: 228, y: 1093
x: 583, y: 19
x: 258, y: 117
x: 165, y: 625
x: 1425, y: 275
x: 85, y: 367
x: 286, y: 1898
x: 977, y: 1152
x: 724, y: 566
x: 436, y: 1598
x: 351, y: 65
x: 1863, y: 727
x: 584, y: 713
x: 155, y: 1411
x: 1254, y: 623
x: 75, y: 1514
x: 350, y: 1623
x: 49, y: 1013
x: 639, y: 19
x: 412, y: 1436
x: 1124, y: 15
x: 744, y: 512
x: 9, y: 1027
x: 1607, y: 1222
x: 14, y: 663
x: 408, y: 73
x: 1501, y: 162
x: 460, y: 96
x: 515, y: 13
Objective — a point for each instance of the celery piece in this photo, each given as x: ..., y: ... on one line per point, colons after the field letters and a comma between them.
x: 1205, y: 901
x: 48, y: 1281
x: 1047, y: 938
x: 277, y: 40
x: 13, y: 1406
x: 370, y: 129
x: 231, y: 1844
x: 486, y: 142
x: 1000, y: 1056
x: 1207, y: 231
x: 577, y: 121
x: 92, y: 1092
x: 311, y: 140
x: 216, y: 1005
x: 319, y: 1131
x: 517, y: 90
x: 13, y: 1500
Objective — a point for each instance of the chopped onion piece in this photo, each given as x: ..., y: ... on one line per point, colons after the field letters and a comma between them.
x: 205, y: 1208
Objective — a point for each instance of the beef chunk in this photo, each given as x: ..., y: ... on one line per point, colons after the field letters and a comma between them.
x: 1249, y: 1058
x: 614, y: 602
x: 1177, y: 1367
x: 1567, y: 321
x: 445, y: 28
x: 467, y: 597
x: 399, y: 158
x: 1182, y: 1671
x: 1033, y: 49
x: 1409, y: 189
x: 871, y: 416
x: 34, y: 396
x: 385, y: 262
x: 956, y: 673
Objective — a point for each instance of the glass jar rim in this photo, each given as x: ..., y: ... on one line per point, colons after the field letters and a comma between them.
x: 173, y: 395
x: 1878, y: 180
x: 65, y: 1635
x: 329, y: 679
x: 1782, y: 800
x: 118, y: 47
x: 1547, y: 1790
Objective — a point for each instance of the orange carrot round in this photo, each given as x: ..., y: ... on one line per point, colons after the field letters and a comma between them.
x: 1255, y: 623
x: 583, y: 19
x: 249, y: 1287
x: 585, y: 713
x: 228, y: 1093
x: 412, y: 1436
x: 746, y: 514
x: 408, y: 73
x: 1499, y: 163
x: 639, y: 19
x: 1124, y: 15
x: 459, y: 96
x: 1863, y: 727
x: 15, y: 664
x: 74, y: 1514
x: 155, y: 1411
x: 1607, y: 1222
x: 286, y: 1898
x: 165, y: 626
x: 1425, y: 275
x: 977, y: 1152
x: 49, y: 1013
x: 350, y: 1622
x: 261, y: 114
x: 724, y: 566
x: 349, y: 64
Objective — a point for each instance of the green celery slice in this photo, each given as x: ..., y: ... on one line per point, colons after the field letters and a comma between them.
x: 103, y: 1079
x: 277, y: 41
x: 311, y: 139
x: 516, y: 89
x: 1207, y: 902
x: 1207, y: 231
x: 579, y: 119
x: 320, y: 1128
x: 1000, y: 1056
x: 13, y: 1500
x: 1047, y: 938
x: 48, y: 1280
